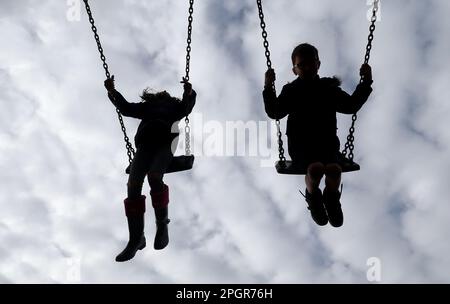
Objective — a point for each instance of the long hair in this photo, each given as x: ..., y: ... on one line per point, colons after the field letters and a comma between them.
x: 150, y: 95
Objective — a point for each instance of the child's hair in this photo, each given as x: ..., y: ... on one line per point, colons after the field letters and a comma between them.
x: 305, y: 50
x: 149, y: 95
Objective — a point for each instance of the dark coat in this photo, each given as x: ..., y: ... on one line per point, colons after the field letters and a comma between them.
x: 311, y: 106
x: 158, y: 117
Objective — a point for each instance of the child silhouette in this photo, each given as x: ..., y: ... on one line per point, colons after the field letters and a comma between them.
x: 158, y: 112
x: 311, y: 104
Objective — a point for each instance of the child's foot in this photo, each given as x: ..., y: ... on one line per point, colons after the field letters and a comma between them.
x: 130, y: 251
x: 162, y: 231
x: 162, y: 235
x: 333, y: 206
x: 315, y: 206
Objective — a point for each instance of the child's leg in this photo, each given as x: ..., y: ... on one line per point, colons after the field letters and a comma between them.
x: 314, y: 176
x: 332, y: 195
x: 139, y: 169
x: 160, y: 202
x: 313, y: 194
x: 333, y: 176
x: 155, y: 180
x: 135, y: 207
x: 160, y: 194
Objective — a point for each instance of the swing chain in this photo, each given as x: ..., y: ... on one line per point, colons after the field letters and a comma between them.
x: 187, y: 128
x: 187, y: 137
x: 97, y: 38
x: 264, y: 33
x: 129, y: 146
x: 269, y: 66
x: 373, y: 20
x: 349, y: 145
x: 130, y: 150
x: 189, y: 40
x: 280, y: 143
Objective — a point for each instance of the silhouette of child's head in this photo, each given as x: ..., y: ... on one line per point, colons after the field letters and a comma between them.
x: 305, y: 61
x: 149, y: 95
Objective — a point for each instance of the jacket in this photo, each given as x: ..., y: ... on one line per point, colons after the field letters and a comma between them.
x: 157, y: 117
x: 311, y: 107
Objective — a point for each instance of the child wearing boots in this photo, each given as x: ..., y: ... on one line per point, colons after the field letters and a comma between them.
x: 311, y: 103
x: 153, y: 139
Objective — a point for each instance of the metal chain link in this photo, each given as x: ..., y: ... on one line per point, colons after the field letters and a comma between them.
x: 280, y: 142
x: 129, y: 146
x: 349, y: 145
x: 187, y: 128
x: 187, y: 137
x: 269, y: 66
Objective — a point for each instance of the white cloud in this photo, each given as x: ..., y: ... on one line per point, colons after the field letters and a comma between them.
x: 62, y: 156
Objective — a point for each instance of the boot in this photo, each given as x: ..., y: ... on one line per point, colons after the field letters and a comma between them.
x: 333, y: 206
x: 162, y: 232
x: 160, y: 201
x: 134, y: 210
x: 316, y: 207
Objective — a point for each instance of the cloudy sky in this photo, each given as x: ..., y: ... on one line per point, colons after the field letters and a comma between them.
x: 234, y: 220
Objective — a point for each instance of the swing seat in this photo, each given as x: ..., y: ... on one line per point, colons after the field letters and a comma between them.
x: 178, y: 164
x: 181, y: 163
x: 289, y: 167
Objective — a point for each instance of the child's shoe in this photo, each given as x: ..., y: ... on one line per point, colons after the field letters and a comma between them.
x: 315, y: 206
x: 333, y: 206
x: 160, y: 202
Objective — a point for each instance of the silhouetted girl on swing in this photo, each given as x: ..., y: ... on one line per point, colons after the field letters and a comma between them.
x: 311, y: 103
x: 158, y: 113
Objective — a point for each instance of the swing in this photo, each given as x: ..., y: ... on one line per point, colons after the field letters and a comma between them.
x: 178, y: 163
x: 347, y: 164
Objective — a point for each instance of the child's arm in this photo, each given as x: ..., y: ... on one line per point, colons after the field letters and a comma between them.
x: 188, y: 102
x: 135, y: 110
x: 350, y: 104
x: 275, y: 107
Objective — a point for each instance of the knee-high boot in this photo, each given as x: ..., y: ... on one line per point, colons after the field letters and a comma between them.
x: 160, y: 202
x: 134, y: 210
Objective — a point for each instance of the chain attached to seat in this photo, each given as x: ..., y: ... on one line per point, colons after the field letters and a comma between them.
x: 269, y: 66
x: 187, y: 128
x: 350, y: 137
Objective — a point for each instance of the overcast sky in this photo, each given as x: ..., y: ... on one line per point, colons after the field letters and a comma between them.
x: 234, y: 220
